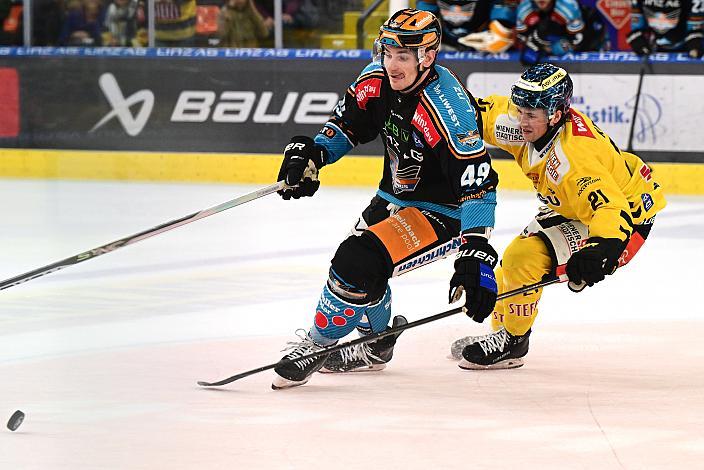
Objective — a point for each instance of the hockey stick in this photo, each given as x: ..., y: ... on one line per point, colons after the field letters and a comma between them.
x: 101, y: 250
x: 374, y: 336
x: 645, y: 63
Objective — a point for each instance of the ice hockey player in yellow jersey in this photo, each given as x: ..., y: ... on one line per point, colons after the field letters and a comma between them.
x: 600, y: 203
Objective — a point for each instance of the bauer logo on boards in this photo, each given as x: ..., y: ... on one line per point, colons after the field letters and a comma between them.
x: 120, y: 104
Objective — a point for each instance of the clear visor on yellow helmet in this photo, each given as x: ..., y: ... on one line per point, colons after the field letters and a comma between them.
x: 532, y: 116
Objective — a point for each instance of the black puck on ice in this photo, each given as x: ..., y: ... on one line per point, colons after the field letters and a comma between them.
x: 15, y: 420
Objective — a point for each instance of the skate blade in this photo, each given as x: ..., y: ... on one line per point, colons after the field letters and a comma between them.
x: 371, y: 368
x: 507, y: 364
x: 280, y: 383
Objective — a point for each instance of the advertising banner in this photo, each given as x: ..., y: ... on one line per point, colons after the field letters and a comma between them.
x: 229, y: 101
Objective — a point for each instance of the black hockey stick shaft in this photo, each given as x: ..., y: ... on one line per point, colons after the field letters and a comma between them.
x: 101, y: 250
x: 374, y: 336
x: 645, y: 62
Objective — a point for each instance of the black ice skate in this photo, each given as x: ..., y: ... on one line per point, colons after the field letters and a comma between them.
x: 365, y: 357
x: 297, y: 373
x: 458, y: 345
x: 500, y: 350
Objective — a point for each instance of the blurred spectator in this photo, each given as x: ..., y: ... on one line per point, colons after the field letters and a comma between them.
x: 47, y: 21
x: 240, y: 24
x: 121, y: 22
x: 556, y: 27
x: 11, y: 22
x: 482, y: 25
x: 82, y: 24
x: 667, y: 26
x: 294, y: 14
x: 175, y: 23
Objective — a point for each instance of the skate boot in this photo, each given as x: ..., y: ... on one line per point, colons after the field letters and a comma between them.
x: 500, y: 350
x: 297, y: 373
x: 364, y: 357
x: 458, y: 345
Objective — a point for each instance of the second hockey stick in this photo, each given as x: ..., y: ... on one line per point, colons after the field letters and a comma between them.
x: 101, y: 250
x: 644, y: 64
x: 374, y: 336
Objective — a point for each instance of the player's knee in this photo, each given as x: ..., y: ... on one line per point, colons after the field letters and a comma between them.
x: 359, y: 268
x: 527, y: 259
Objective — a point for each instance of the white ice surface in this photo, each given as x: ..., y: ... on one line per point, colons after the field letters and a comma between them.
x: 103, y: 356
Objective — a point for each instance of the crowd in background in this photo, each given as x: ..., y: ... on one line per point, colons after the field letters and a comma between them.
x: 536, y: 28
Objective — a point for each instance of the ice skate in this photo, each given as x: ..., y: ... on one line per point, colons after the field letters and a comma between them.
x: 365, y: 357
x: 296, y: 372
x: 458, y: 345
x: 499, y: 350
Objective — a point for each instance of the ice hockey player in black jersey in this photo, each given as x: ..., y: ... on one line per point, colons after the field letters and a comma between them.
x: 667, y: 26
x: 437, y: 194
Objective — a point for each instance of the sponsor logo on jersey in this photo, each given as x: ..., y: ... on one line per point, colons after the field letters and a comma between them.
x: 435, y: 254
x: 133, y: 124
x: 645, y: 172
x: 421, y: 121
x: 584, y: 182
x: 417, y: 141
x: 552, y: 165
x: 579, y: 126
x: 370, y: 88
x: 647, y: 201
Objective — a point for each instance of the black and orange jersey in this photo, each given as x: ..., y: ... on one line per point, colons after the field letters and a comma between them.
x: 580, y: 173
x: 434, y: 156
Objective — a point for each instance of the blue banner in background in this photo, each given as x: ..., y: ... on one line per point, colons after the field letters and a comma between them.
x: 321, y: 54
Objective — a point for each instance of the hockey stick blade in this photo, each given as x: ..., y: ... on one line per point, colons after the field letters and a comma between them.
x: 101, y: 250
x: 374, y: 336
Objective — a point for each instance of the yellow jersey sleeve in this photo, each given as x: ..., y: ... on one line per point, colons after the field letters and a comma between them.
x: 499, y: 129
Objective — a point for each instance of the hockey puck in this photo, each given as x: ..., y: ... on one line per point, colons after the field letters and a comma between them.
x: 15, y: 420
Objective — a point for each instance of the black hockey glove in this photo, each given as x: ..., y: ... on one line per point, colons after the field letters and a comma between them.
x: 693, y: 44
x: 302, y: 160
x: 597, y: 259
x: 639, y: 42
x: 474, y: 275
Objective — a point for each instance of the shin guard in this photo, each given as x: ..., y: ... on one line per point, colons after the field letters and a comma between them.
x: 377, y: 315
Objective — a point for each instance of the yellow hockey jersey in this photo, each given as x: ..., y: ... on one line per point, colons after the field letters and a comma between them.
x: 580, y: 173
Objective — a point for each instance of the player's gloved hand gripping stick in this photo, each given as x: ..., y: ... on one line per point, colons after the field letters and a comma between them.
x: 101, y: 250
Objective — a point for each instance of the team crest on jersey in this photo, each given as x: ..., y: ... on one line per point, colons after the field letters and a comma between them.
x: 403, y: 179
x: 469, y: 137
x: 421, y: 121
x: 417, y: 141
x: 370, y: 88
x: 579, y: 126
